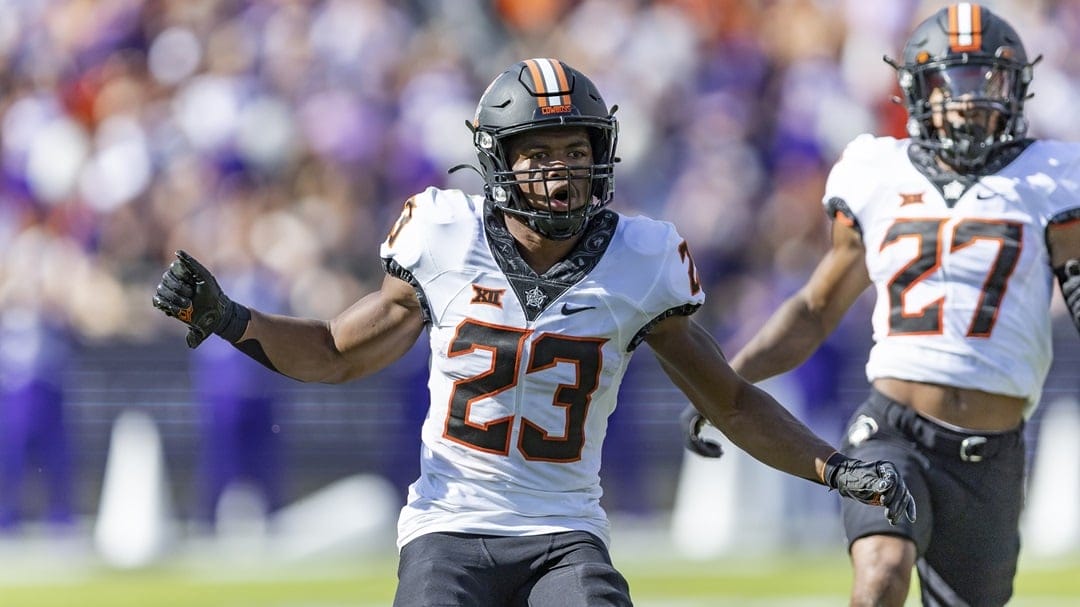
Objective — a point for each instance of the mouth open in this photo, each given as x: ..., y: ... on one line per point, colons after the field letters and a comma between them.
x: 559, y: 198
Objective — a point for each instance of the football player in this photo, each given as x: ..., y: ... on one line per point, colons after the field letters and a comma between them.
x: 961, y: 230
x: 533, y: 296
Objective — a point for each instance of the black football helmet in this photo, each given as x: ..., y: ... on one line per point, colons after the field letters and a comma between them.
x: 967, y: 60
x: 537, y: 94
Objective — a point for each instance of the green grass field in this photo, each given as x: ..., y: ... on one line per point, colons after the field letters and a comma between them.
x: 779, y: 582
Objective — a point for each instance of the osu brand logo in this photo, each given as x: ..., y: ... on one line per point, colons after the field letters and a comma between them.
x: 185, y: 314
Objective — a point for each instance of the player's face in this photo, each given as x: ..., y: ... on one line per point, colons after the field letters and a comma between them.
x: 556, y: 167
x: 960, y: 112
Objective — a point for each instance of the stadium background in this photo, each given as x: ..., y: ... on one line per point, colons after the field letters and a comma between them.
x: 277, y: 140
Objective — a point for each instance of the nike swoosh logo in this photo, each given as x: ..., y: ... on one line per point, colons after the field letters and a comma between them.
x: 567, y: 309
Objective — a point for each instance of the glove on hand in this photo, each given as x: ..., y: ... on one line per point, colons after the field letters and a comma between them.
x: 189, y: 292
x: 693, y: 422
x: 875, y: 483
x: 1070, y: 287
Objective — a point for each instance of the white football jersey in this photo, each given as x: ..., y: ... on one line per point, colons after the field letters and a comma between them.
x: 960, y: 264
x: 525, y: 369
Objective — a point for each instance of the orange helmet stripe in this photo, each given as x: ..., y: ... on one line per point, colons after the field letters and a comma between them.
x: 550, y: 82
x: 965, y: 27
x: 537, y: 79
x: 564, y: 85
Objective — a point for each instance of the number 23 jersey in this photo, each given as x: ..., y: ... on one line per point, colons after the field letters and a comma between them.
x: 525, y: 369
x: 960, y: 264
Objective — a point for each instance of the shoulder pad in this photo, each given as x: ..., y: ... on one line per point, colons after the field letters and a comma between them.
x: 661, y: 252
x: 648, y: 236
x: 857, y: 174
x: 1054, y: 167
x: 423, y: 220
x: 868, y: 149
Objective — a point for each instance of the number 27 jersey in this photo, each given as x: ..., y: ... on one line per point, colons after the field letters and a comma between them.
x: 525, y: 369
x: 960, y: 264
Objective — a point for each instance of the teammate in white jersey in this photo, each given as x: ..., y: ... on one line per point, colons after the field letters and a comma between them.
x: 960, y: 230
x: 533, y: 296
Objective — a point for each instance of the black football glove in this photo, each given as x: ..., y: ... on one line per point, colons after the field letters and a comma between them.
x: 875, y: 483
x: 693, y: 422
x: 189, y: 292
x: 1069, y: 277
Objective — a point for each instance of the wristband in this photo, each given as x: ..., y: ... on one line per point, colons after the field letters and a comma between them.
x: 235, y: 322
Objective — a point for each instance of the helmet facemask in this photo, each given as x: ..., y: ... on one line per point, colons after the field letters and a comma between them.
x: 542, y: 196
x: 966, y: 109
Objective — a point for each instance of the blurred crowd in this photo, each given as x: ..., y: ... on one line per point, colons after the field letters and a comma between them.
x: 276, y: 140
x: 280, y: 137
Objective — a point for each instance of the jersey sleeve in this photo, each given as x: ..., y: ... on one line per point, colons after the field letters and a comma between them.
x: 851, y: 186
x: 1065, y: 199
x: 434, y: 231
x: 434, y: 226
x: 656, y: 248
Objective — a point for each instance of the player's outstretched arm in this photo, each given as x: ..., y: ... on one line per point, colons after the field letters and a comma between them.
x: 370, y: 335
x: 759, y: 425
x: 801, y: 324
x: 745, y: 414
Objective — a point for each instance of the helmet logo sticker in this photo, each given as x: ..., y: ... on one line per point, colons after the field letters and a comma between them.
x: 965, y: 27
x: 550, y: 85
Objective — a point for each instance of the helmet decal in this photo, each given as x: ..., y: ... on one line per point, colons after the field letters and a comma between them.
x: 965, y: 27
x: 550, y: 85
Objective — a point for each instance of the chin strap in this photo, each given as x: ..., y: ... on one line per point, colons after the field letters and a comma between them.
x: 459, y: 167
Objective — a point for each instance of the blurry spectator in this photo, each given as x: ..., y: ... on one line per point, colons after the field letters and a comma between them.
x: 36, y: 355
x: 239, y: 405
